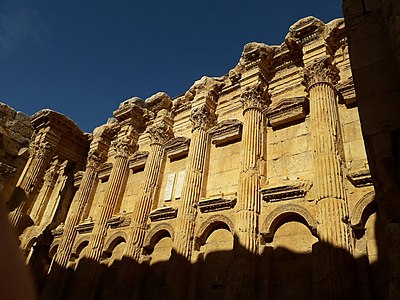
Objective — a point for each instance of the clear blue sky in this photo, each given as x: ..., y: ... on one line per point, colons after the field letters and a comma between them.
x: 83, y: 57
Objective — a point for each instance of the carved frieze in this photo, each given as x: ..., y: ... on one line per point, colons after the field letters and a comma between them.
x: 163, y: 213
x: 138, y: 161
x: 104, y: 171
x: 286, y: 191
x: 86, y: 226
x: 286, y: 111
x: 117, y: 221
x: 177, y: 148
x: 320, y: 70
x: 226, y: 132
x: 255, y: 96
x: 202, y: 117
x: 217, y: 203
x: 360, y: 177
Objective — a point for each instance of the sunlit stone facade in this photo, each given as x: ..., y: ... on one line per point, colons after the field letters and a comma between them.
x: 251, y: 185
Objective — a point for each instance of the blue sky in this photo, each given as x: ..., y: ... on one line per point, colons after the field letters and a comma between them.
x: 82, y: 58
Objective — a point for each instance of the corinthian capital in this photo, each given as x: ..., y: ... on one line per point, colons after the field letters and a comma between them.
x: 124, y: 146
x: 202, y: 117
x: 160, y: 133
x: 41, y: 150
x: 95, y: 158
x: 320, y: 70
x: 255, y: 96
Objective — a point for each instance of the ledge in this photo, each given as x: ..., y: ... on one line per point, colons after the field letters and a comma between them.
x: 360, y: 177
x: 138, y: 161
x: 85, y: 227
x: 217, y: 203
x: 287, y: 111
x: 226, y: 132
x: 58, y: 231
x: 78, y: 178
x: 117, y: 221
x: 347, y: 92
x: 163, y: 213
x: 286, y: 191
x: 177, y: 148
x: 104, y: 171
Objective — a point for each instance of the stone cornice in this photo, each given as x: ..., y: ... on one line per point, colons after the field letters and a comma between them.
x: 85, y: 227
x: 286, y: 191
x: 177, y: 148
x: 163, y: 213
x: 117, y: 221
x: 138, y: 161
x: 286, y: 111
x: 217, y: 203
x: 360, y: 178
x: 226, y: 131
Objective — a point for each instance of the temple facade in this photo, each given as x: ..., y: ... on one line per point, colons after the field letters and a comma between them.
x: 252, y: 185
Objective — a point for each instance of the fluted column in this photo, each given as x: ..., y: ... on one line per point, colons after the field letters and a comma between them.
x: 332, y: 208
x: 254, y: 99
x: 124, y: 147
x: 77, y: 206
x: 202, y: 118
x: 40, y: 156
x: 159, y: 134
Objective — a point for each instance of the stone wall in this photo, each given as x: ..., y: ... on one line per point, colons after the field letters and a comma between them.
x: 254, y: 184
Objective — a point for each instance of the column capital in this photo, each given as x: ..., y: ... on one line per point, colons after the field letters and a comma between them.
x: 95, y: 158
x: 320, y: 70
x: 160, y: 132
x: 255, y: 96
x: 41, y: 149
x: 202, y: 117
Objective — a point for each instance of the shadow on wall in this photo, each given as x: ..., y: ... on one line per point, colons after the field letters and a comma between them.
x: 290, y: 266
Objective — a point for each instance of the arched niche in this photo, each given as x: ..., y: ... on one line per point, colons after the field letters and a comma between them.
x: 155, y: 234
x: 211, y: 224
x: 363, y: 209
x: 288, y: 212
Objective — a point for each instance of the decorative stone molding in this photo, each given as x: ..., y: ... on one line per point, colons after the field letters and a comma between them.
x: 131, y: 111
x: 255, y: 96
x: 58, y: 231
x: 347, y: 92
x: 163, y: 213
x: 320, y: 70
x: 217, y: 203
x: 124, y: 146
x: 286, y: 191
x: 177, y: 148
x: 6, y: 171
x: 41, y: 150
x: 226, y: 132
x: 104, y: 171
x: 202, y: 117
x: 120, y: 220
x: 153, y: 234
x: 160, y: 133
x: 275, y: 217
x: 208, y: 225
x: 158, y: 102
x: 138, y: 161
x: 286, y: 111
x: 356, y: 217
x: 360, y: 177
x: 305, y: 30
x: 86, y: 226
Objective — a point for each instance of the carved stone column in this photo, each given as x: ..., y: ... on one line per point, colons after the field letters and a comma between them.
x: 77, y: 206
x: 332, y: 209
x: 160, y: 133
x: 124, y: 147
x: 202, y: 118
x: 40, y: 156
x: 254, y: 100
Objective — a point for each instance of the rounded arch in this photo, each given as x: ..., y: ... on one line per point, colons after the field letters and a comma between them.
x: 80, y: 244
x: 114, y: 240
x: 279, y: 214
x: 158, y: 231
x: 362, y: 210
x: 53, y: 249
x: 212, y: 223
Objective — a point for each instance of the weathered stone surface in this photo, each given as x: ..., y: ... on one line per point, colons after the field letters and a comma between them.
x: 251, y: 185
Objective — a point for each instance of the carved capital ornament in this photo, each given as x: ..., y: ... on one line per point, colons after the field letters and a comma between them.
x: 124, y: 147
x: 320, y: 70
x: 202, y: 118
x: 160, y: 133
x: 255, y: 96
x: 41, y: 150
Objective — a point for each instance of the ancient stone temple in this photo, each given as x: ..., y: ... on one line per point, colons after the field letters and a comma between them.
x: 252, y: 185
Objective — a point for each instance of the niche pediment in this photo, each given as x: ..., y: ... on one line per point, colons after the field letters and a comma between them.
x: 138, y: 161
x: 226, y: 132
x: 177, y: 148
x: 286, y: 191
x: 286, y: 111
x: 104, y: 171
x: 217, y: 203
x: 86, y: 226
x: 360, y: 177
x: 163, y: 213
